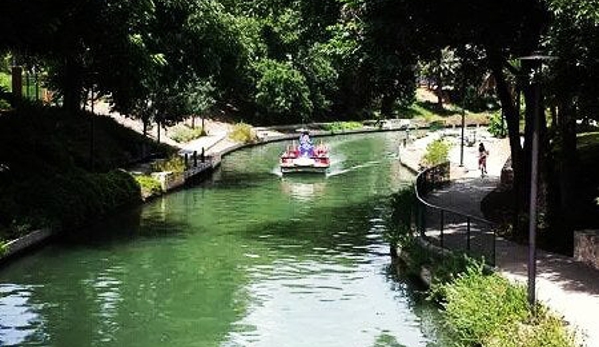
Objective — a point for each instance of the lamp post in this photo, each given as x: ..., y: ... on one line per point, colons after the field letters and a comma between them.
x: 534, y: 61
x: 462, y: 140
x: 463, y: 118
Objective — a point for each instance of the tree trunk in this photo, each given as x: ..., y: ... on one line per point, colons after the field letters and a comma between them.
x: 511, y: 110
x: 512, y: 118
x: 158, y: 131
x: 387, y: 106
x: 72, y: 85
x: 567, y: 164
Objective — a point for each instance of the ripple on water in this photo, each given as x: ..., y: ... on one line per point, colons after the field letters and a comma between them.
x: 19, y: 319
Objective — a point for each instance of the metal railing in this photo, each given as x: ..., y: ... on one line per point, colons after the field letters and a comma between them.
x: 447, y: 228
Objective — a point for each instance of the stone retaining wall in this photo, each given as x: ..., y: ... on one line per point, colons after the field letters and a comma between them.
x: 586, y: 247
x: 22, y: 243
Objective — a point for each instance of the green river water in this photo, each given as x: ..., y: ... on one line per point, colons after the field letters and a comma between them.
x: 247, y: 258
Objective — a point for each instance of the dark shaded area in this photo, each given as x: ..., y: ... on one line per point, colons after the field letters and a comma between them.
x: 52, y: 176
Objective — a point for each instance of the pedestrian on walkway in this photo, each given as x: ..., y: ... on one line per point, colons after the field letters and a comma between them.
x: 482, y: 159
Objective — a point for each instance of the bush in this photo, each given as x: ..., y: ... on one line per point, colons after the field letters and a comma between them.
x: 545, y: 330
x: 182, y: 133
x: 399, y: 223
x: 341, y: 126
x: 486, y: 309
x: 479, y: 305
x: 437, y: 152
x: 436, y: 125
x: 497, y: 127
x: 149, y: 185
x: 175, y: 163
x: 67, y: 201
x: 243, y: 133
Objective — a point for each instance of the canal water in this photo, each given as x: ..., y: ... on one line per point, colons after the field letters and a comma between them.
x: 248, y: 258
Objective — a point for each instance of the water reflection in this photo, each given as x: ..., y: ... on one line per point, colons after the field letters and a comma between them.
x: 303, y: 189
x: 245, y: 259
x: 19, y: 319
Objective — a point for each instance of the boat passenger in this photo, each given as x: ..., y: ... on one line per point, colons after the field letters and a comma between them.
x: 306, y: 147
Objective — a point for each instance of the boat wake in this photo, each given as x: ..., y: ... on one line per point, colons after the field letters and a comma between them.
x: 353, y: 168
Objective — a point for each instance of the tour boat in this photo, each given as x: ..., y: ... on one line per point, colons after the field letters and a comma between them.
x: 305, y: 159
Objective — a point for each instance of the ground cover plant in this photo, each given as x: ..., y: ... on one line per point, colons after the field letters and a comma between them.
x: 47, y: 177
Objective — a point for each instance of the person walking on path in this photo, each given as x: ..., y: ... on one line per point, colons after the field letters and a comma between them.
x: 482, y: 159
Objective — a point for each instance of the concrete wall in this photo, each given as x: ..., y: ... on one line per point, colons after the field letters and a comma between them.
x: 24, y: 242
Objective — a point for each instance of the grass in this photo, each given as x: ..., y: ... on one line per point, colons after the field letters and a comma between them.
x: 426, y: 112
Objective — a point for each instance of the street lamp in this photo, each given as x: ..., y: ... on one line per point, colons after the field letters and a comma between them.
x: 462, y: 140
x: 464, y: 90
x: 534, y: 62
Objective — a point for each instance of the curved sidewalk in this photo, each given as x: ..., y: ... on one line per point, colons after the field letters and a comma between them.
x: 568, y: 287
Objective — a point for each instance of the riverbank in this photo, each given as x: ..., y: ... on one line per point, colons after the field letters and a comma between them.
x: 216, y: 145
x: 564, y: 285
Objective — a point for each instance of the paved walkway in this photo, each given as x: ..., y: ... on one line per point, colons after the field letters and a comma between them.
x: 568, y: 287
x: 205, y: 142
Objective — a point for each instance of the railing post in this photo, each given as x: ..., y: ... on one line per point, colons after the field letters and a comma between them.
x: 494, y: 248
x: 468, y: 235
x: 442, y: 225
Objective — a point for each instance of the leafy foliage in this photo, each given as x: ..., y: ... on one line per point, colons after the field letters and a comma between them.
x: 497, y: 126
x: 341, y: 126
x: 399, y: 223
x: 149, y: 186
x: 282, y: 93
x: 174, y: 163
x: 437, y: 152
x: 243, y: 133
x: 182, y: 133
x: 478, y: 305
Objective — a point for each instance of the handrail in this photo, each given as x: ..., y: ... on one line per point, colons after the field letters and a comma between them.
x: 428, y: 204
x: 440, y: 174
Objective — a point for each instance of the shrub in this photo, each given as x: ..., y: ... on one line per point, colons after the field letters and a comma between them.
x: 341, y: 126
x: 437, y: 152
x: 436, y: 125
x: 497, y: 127
x: 67, y: 201
x: 149, y: 185
x: 243, y: 133
x: 182, y: 133
x: 174, y: 164
x: 399, y: 223
x: 545, y: 330
x: 479, y: 305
